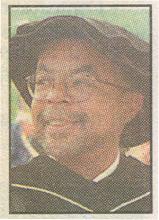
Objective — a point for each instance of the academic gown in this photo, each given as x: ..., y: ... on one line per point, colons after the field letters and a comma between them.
x: 45, y: 186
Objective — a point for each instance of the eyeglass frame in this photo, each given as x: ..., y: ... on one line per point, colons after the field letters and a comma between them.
x: 105, y: 82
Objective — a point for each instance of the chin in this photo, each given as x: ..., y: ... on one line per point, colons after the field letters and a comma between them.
x: 62, y: 149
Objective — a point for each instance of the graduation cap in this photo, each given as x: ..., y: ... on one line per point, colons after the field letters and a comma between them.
x: 126, y: 50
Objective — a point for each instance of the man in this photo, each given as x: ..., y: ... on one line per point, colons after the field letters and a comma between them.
x: 87, y: 83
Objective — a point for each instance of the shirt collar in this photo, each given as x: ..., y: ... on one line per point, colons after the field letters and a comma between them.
x: 109, y: 170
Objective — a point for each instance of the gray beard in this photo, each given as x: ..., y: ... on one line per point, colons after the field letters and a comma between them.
x: 84, y: 143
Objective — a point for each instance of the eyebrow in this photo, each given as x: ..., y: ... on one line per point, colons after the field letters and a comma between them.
x: 43, y: 67
x: 84, y: 68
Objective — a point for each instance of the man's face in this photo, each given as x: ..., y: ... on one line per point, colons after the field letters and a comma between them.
x: 78, y: 111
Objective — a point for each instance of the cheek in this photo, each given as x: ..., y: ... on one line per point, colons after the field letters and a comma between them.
x: 103, y: 115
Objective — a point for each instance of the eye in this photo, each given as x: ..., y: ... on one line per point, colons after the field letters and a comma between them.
x: 42, y: 82
x: 88, y: 75
x: 78, y: 82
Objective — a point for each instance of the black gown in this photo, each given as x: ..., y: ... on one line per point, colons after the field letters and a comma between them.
x: 45, y: 186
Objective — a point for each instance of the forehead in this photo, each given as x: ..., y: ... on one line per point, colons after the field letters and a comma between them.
x: 72, y: 51
x: 67, y: 55
x: 73, y: 48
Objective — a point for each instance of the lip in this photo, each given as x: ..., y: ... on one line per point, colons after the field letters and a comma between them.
x: 60, y: 125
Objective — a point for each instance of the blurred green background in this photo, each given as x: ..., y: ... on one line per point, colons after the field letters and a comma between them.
x: 134, y: 19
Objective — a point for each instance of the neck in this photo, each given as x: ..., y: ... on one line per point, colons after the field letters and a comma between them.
x: 91, y: 164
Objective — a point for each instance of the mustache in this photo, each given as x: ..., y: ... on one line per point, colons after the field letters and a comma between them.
x: 50, y: 113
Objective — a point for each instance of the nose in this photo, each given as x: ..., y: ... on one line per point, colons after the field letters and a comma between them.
x: 58, y: 93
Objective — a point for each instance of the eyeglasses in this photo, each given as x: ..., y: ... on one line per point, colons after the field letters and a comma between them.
x: 78, y: 87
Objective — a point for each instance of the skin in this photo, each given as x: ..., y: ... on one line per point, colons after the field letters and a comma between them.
x: 88, y: 140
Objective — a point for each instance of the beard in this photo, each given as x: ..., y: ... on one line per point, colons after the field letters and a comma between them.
x: 66, y: 143
x: 64, y: 147
x: 69, y: 143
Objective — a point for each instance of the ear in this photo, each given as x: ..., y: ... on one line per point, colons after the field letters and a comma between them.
x: 132, y: 104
